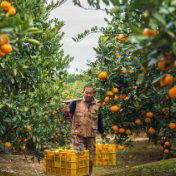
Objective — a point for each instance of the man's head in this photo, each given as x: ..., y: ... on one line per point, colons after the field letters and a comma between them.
x: 88, y: 92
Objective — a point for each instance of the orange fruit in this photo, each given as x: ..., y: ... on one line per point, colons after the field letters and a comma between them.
x: 2, y: 54
x: 106, y: 99
x: 102, y: 75
x: 6, y: 48
x: 117, y: 55
x: 52, y: 137
x: 131, y: 156
x: 128, y: 132
x: 167, y: 98
x: 4, y: 39
x: 11, y: 11
x: 116, y: 131
x: 129, y: 148
x: 63, y: 136
x: 172, y: 126
x: 138, y: 122
x: 121, y: 130
x: 172, y: 92
x: 138, y: 106
x: 166, y: 151
x: 175, y: 64
x: 121, y: 147
x: 68, y: 141
x: 151, y: 131
x: 130, y: 72
x: 115, y: 127
x: 162, y: 64
x: 28, y: 129
x: 110, y: 93
x: 115, y: 90
x: 129, y: 57
x: 115, y: 69
x: 167, y: 144
x: 136, y: 87
x: 102, y: 104
x: 19, y: 140
x: 114, y: 108
x: 44, y: 146
x: 7, y: 144
x: 148, y: 32
x: 121, y: 37
x: 149, y: 114
x: 158, y: 142
x: 23, y: 147
x: 143, y: 68
x: 168, y: 80
x: 116, y: 98
x: 5, y: 5
x: 147, y: 120
x: 123, y: 96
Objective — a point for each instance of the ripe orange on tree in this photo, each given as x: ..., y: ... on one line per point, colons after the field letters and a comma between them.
x: 52, y: 137
x: 149, y: 33
x: 167, y: 97
x: 162, y: 64
x: 138, y: 122
x: 143, y: 68
x: 4, y: 40
x: 129, y: 148
x: 5, y: 5
x: 116, y: 98
x: 130, y: 72
x: 172, y: 92
x: 158, y: 142
x: 168, y: 80
x: 2, y: 54
x: 121, y: 37
x: 122, y: 96
x: 63, y: 136
x: 114, y: 108
x: 44, y: 146
x: 131, y: 156
x: 149, y: 114
x: 115, y: 90
x: 114, y: 127
x: 110, y: 93
x: 102, y: 75
x: 147, y: 120
x: 7, y: 144
x: 151, y: 131
x: 106, y: 99
x: 23, y: 147
x: 128, y: 131
x: 6, y: 48
x: 19, y: 140
x: 166, y: 151
x: 11, y: 11
x: 121, y: 130
x: 121, y: 147
x: 167, y: 144
x: 172, y: 126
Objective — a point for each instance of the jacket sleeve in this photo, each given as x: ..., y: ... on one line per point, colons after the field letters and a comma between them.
x: 72, y: 109
x: 100, y: 124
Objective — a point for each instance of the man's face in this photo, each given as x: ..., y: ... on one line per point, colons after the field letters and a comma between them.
x: 88, y: 94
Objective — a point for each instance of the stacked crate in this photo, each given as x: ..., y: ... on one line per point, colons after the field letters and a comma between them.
x: 66, y: 163
x: 105, y: 155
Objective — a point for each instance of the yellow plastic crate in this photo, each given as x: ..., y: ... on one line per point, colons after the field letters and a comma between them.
x: 63, y: 171
x: 83, y: 163
x: 81, y: 170
x: 100, y: 148
x: 72, y: 157
x: 58, y: 171
x: 84, y: 155
x: 112, y: 156
x: 72, y: 165
x: 50, y: 170
x: 86, y: 171
x: 49, y: 155
x: 63, y: 156
x: 63, y: 164
x: 72, y: 172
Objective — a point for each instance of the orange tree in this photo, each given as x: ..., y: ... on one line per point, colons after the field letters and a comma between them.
x: 137, y: 56
x: 32, y: 76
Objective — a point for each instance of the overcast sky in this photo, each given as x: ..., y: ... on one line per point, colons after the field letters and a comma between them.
x: 76, y: 21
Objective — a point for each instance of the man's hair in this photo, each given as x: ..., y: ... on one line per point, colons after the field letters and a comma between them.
x: 88, y: 85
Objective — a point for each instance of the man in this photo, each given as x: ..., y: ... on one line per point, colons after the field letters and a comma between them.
x: 85, y: 124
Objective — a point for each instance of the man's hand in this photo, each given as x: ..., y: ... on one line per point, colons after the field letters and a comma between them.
x: 103, y: 136
x: 66, y: 110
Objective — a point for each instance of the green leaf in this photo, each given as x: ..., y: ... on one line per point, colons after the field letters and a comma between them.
x: 160, y: 18
x: 140, y: 78
x: 136, y: 30
x: 14, y: 72
x: 141, y: 37
x: 116, y: 9
x: 158, y: 78
x: 2, y: 65
x: 32, y: 41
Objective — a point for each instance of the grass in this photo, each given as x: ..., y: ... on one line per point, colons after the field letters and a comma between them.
x: 146, y: 161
